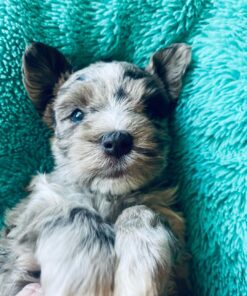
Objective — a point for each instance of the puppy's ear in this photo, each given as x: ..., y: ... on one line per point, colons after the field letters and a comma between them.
x: 44, y: 69
x: 170, y: 65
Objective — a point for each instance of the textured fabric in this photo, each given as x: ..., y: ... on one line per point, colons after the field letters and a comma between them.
x: 209, y: 126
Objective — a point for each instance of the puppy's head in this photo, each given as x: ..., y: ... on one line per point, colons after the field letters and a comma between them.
x: 110, y: 119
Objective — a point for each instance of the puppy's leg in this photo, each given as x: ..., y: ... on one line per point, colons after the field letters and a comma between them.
x: 71, y: 245
x: 76, y: 255
x: 144, y: 252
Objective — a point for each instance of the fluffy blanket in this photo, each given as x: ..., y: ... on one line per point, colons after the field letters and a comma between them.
x: 209, y: 126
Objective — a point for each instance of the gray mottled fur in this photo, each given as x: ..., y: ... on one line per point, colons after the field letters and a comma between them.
x: 98, y: 225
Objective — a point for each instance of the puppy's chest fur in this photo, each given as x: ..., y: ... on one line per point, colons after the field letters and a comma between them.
x: 109, y: 206
x: 48, y: 192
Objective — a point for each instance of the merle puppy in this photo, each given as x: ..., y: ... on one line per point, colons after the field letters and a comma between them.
x: 101, y: 223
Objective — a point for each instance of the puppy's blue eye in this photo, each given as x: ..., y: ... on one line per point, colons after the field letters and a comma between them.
x: 77, y: 115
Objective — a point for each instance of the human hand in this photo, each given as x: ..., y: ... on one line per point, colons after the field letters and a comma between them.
x: 31, y: 290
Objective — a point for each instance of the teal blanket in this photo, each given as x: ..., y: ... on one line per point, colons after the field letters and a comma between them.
x: 209, y: 125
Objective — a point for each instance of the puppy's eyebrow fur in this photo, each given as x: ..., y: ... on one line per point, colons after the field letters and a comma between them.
x: 71, y: 101
x: 62, y: 90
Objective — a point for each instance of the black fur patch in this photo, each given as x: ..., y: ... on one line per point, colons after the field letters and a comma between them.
x: 120, y: 94
x: 105, y: 235
x: 156, y: 106
x: 156, y: 102
x: 84, y: 214
x: 136, y: 74
x: 99, y: 230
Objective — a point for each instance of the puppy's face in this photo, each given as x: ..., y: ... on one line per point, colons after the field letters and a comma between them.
x: 110, y: 119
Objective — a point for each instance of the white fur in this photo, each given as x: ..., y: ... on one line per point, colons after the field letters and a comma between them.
x: 144, y: 254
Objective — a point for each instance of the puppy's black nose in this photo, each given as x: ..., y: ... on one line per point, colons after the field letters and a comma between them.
x: 117, y: 143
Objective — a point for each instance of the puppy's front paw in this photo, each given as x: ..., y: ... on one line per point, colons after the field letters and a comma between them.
x: 77, y: 256
x: 143, y: 247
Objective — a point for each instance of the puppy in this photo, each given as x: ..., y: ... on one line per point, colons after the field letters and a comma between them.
x: 102, y: 222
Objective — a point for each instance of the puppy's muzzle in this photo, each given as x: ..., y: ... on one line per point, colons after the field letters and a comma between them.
x: 117, y: 143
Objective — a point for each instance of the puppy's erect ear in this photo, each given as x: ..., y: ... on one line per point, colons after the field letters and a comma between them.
x: 44, y: 69
x: 170, y: 65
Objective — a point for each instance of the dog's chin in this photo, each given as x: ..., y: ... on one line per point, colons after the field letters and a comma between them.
x: 115, y: 184
x: 115, y: 169
x: 115, y: 174
x: 122, y: 176
x: 118, y: 182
